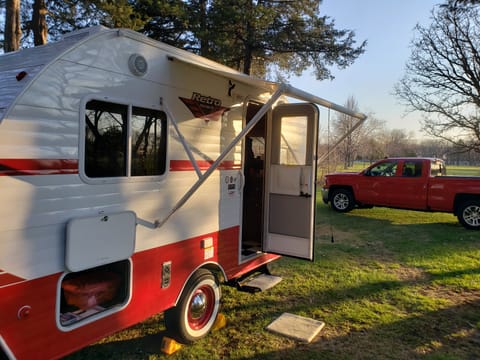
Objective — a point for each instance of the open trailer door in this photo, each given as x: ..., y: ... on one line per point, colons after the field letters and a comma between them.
x: 290, y: 187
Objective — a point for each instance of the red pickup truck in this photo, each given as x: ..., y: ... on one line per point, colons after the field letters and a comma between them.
x: 406, y: 183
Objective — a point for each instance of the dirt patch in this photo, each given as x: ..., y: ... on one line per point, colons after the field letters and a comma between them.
x: 410, y: 274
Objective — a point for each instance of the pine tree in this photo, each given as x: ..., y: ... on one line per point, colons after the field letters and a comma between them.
x: 13, y: 30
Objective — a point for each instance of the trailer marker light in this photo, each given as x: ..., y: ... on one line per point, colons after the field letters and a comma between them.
x: 21, y: 75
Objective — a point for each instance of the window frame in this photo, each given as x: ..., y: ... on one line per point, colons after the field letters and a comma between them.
x: 128, y: 177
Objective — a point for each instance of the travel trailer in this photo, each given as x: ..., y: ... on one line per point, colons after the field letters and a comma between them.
x: 135, y: 178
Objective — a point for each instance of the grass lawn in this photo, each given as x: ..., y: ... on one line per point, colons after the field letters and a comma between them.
x: 393, y: 284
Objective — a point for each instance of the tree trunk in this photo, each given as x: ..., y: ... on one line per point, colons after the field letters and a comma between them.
x: 39, y: 24
x: 13, y: 30
x: 204, y: 47
x: 248, y: 42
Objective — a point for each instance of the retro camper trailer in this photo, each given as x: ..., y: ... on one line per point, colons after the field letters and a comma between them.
x: 135, y: 178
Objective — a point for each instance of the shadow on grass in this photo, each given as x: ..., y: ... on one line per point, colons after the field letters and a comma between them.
x: 450, y: 333
x: 444, y: 334
x: 134, y: 348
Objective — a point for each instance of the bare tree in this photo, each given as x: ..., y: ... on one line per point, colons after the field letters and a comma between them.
x: 360, y: 142
x: 343, y: 125
x: 13, y: 30
x: 398, y: 142
x: 442, y: 77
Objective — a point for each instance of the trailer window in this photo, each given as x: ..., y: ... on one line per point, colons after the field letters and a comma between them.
x: 148, y: 142
x: 107, y: 149
x: 105, y: 139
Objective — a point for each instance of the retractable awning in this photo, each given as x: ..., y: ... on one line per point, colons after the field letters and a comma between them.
x: 287, y: 89
x: 276, y: 89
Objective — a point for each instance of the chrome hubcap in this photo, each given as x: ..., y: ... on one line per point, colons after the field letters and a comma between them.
x: 471, y: 215
x: 198, y: 306
x: 341, y: 201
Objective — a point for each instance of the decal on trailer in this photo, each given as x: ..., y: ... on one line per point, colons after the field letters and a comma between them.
x: 204, y: 107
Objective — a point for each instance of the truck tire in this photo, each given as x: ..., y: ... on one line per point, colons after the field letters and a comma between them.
x: 194, y: 315
x: 342, y: 200
x: 469, y: 214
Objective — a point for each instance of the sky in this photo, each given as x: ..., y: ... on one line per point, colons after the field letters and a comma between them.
x: 388, y: 27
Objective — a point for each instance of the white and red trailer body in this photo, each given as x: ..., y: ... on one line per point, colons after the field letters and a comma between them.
x: 131, y: 173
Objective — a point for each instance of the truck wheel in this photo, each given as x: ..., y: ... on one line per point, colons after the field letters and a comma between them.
x: 195, y: 313
x: 342, y: 200
x: 469, y: 214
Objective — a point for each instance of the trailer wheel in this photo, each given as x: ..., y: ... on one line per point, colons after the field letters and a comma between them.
x: 342, y: 200
x: 469, y: 214
x: 197, y: 310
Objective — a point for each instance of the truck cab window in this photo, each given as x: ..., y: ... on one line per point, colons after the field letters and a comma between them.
x: 388, y: 168
x: 437, y: 168
x: 107, y: 151
x: 412, y: 169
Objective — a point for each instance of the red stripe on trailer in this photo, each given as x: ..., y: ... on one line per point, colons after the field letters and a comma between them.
x: 8, y: 279
x: 28, y: 167
x: 186, y: 165
x: 23, y: 167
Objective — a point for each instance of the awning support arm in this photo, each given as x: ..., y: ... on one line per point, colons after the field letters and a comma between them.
x: 203, y: 177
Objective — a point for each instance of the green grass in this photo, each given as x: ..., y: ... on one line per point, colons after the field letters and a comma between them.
x: 463, y: 170
x: 393, y: 284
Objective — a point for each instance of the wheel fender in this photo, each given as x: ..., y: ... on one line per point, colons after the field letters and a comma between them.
x: 215, y: 268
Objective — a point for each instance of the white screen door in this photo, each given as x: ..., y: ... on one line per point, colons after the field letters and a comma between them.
x: 291, y: 181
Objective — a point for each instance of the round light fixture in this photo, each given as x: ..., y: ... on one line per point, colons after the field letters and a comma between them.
x: 137, y: 64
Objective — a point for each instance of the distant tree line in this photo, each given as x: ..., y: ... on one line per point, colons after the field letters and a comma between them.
x: 374, y: 141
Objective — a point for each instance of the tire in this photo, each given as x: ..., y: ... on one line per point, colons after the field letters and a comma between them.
x: 469, y: 214
x: 342, y: 200
x: 194, y: 315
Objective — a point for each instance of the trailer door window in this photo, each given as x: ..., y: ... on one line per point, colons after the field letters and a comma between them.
x: 293, y: 149
x: 109, y: 153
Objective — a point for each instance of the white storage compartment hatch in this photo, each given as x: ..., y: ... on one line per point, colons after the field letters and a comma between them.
x: 98, y: 240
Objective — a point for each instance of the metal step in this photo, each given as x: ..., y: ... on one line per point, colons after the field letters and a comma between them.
x: 258, y: 282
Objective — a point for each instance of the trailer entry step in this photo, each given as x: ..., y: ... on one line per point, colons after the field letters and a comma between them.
x: 259, y: 282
